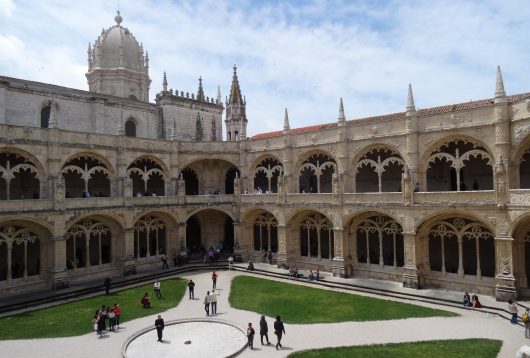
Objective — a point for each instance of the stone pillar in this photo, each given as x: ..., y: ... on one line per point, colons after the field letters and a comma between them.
x: 128, y: 261
x: 181, y: 235
x: 504, y: 279
x: 282, y: 246
x: 341, y: 264
x: 172, y: 241
x: 57, y: 267
x: 410, y: 278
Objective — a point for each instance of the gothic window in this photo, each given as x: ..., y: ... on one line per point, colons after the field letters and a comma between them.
x: 380, y: 242
x: 266, y: 175
x: 266, y: 233
x: 130, y: 128
x: 379, y: 170
x: 19, y: 178
x: 149, y: 237
x: 19, y: 253
x: 45, y: 116
x: 315, y: 174
x: 459, y: 166
x: 461, y: 246
x: 147, y: 177
x: 88, y: 243
x: 316, y: 237
x: 86, y: 176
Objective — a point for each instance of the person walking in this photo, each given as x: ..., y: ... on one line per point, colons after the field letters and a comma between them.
x: 526, y: 320
x: 191, y: 289
x: 213, y: 302
x: 250, y: 336
x: 214, y: 280
x: 156, y: 286
x: 263, y: 330
x: 230, y: 262
x: 159, y: 324
x: 207, y: 303
x: 164, y: 261
x: 279, y: 330
x: 107, y: 284
x: 512, y: 308
x: 269, y: 257
x: 117, y: 311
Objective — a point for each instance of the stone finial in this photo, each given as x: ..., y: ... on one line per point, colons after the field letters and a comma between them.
x: 499, y: 84
x: 341, y: 117
x: 219, y: 98
x: 200, y: 91
x: 164, y: 82
x: 410, y: 101
x: 235, y: 91
x: 286, y: 127
x: 118, y: 18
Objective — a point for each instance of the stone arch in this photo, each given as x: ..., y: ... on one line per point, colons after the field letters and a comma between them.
x: 458, y: 163
x: 87, y: 174
x: 520, y: 231
x: 23, y: 249
x: 22, y: 174
x: 131, y: 127
x: 313, y: 234
x: 265, y: 173
x: 211, y: 175
x: 191, y: 181
x: 315, y: 170
x: 151, y: 234
x: 521, y: 167
x: 378, y: 168
x: 209, y: 227
x: 149, y: 175
x: 264, y: 229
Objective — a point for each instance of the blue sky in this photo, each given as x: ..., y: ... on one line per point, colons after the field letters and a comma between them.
x: 300, y: 55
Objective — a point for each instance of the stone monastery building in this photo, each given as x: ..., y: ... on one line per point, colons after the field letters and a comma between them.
x: 103, y: 182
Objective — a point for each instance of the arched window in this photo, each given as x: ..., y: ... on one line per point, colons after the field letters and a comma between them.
x: 45, y: 116
x: 130, y: 128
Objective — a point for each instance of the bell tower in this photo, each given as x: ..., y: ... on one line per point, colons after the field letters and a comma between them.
x: 236, y: 117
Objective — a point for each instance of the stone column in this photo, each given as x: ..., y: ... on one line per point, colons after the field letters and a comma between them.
x: 282, y: 246
x: 57, y: 266
x: 504, y: 279
x: 181, y: 235
x: 128, y: 261
x: 410, y: 277
x: 341, y: 265
x: 172, y: 243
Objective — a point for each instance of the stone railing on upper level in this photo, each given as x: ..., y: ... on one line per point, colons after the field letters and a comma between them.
x: 392, y: 198
x: 519, y: 196
x: 479, y: 197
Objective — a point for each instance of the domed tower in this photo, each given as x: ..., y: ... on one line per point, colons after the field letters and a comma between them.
x: 117, y: 65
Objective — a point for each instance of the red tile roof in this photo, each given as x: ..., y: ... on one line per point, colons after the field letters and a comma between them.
x: 396, y: 116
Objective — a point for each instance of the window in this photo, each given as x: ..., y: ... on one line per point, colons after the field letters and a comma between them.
x: 130, y: 129
x: 45, y: 116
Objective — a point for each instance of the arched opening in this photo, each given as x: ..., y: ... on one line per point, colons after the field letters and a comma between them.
x: 316, y: 237
x: 193, y: 234
x: 266, y: 175
x: 379, y: 170
x: 88, y: 244
x: 191, y: 181
x: 20, y: 249
x: 45, y: 116
x: 209, y: 228
x: 86, y: 176
x: 524, y: 170
x: 229, y: 180
x: 315, y: 174
x: 147, y: 177
x: 150, y: 236
x: 380, y: 241
x: 265, y: 231
x: 19, y: 177
x: 459, y: 166
x: 130, y: 128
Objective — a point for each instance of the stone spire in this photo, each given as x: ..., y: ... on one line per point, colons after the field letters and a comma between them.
x: 200, y: 91
x: 342, y: 117
x: 499, y: 84
x: 410, y: 101
x: 235, y: 91
x: 286, y: 127
x: 164, y: 82
x: 219, y: 98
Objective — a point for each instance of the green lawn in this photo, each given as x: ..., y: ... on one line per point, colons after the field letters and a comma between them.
x: 300, y: 304
x: 74, y: 318
x: 464, y: 348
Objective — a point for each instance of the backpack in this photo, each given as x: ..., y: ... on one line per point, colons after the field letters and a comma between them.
x: 525, y: 317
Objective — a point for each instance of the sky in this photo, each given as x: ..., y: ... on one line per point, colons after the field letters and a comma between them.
x: 299, y: 55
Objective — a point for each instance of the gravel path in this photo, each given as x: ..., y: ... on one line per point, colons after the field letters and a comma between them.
x: 470, y: 324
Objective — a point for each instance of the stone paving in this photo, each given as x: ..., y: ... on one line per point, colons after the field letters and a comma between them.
x: 470, y: 324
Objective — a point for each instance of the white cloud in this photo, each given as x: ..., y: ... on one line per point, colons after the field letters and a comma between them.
x: 7, y: 8
x: 303, y: 57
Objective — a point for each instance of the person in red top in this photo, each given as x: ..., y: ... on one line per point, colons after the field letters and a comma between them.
x: 117, y: 311
x: 214, y: 280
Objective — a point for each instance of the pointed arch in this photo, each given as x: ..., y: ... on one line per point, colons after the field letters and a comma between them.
x: 266, y: 173
x: 315, y: 172
x: 20, y: 177
x: 379, y: 169
x: 149, y: 176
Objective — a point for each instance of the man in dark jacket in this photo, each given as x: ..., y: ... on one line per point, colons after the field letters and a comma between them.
x: 159, y: 324
x: 106, y: 283
x: 263, y: 330
x: 279, y: 330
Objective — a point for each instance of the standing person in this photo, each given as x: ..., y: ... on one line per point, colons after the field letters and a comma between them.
x: 214, y: 280
x: 512, y: 308
x: 269, y: 256
x: 112, y: 318
x: 207, y: 303
x: 230, y: 262
x: 117, y: 311
x: 107, y: 284
x: 156, y: 286
x: 95, y: 322
x: 164, y: 261
x: 526, y: 321
x: 279, y: 330
x: 213, y: 301
x: 250, y: 336
x: 159, y: 324
x: 191, y: 289
x: 263, y: 330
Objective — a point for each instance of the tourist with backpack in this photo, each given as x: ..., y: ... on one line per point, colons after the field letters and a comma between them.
x: 526, y: 321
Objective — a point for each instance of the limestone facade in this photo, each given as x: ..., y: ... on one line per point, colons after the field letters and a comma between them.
x: 436, y: 197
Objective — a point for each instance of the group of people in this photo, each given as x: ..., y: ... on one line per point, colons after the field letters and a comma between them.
x: 279, y: 331
x: 266, y: 255
x: 106, y: 314
x: 472, y: 301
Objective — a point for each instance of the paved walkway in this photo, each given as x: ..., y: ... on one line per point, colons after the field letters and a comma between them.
x: 471, y: 324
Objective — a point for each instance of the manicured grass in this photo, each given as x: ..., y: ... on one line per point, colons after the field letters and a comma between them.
x: 457, y: 348
x: 74, y: 318
x: 300, y: 304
